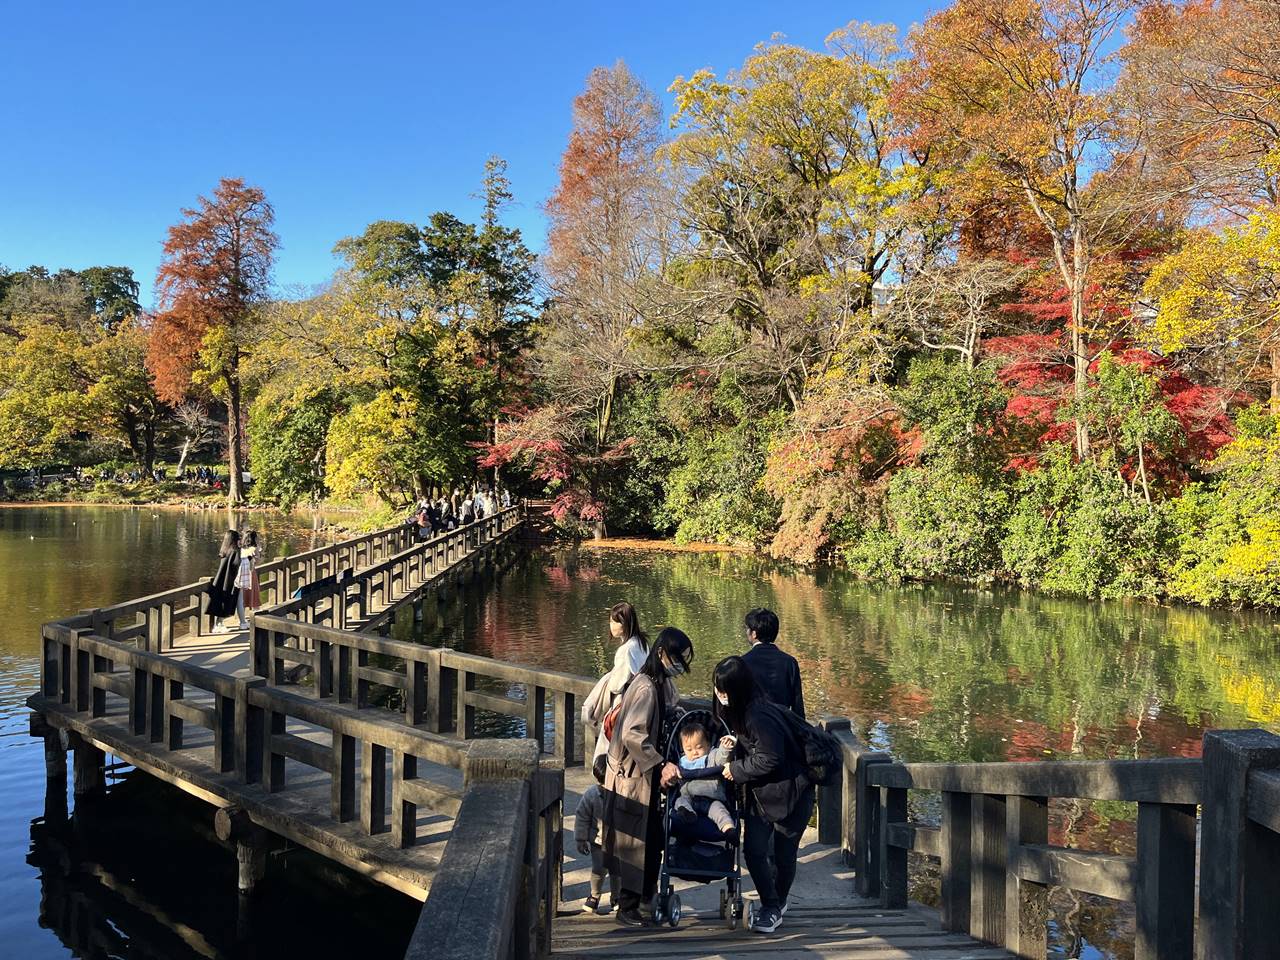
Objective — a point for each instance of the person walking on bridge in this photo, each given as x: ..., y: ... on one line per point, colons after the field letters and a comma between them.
x: 776, y: 671
x: 635, y: 772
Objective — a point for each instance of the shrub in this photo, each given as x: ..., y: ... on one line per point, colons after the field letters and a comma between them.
x: 1228, y: 530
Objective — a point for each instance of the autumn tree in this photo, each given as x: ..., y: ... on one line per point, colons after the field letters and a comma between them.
x: 211, y: 286
x: 1202, y: 84
x: 801, y: 194
x: 1220, y: 295
x: 606, y: 248
x: 1017, y: 88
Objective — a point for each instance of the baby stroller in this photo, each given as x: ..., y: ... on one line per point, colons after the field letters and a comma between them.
x: 696, y: 850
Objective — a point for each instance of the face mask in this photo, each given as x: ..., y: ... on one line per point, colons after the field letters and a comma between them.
x: 675, y: 668
x: 723, y: 698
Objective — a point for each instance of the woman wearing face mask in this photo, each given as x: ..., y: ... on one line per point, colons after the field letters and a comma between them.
x: 634, y: 771
x: 769, y: 762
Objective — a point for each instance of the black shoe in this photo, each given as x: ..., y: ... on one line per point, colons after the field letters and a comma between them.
x: 767, y: 921
x: 632, y: 918
x: 591, y: 904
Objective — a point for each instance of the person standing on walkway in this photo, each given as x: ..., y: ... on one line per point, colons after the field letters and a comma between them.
x: 769, y: 761
x: 247, y: 579
x: 223, y: 589
x: 635, y: 773
x: 628, y: 658
x: 776, y: 671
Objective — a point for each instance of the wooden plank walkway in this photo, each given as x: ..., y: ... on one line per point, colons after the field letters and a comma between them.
x: 811, y: 930
x: 825, y: 919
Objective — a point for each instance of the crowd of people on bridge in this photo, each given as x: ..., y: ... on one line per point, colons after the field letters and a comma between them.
x: 433, y: 516
x: 619, y: 821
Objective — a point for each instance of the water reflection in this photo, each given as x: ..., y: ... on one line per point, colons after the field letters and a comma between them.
x: 108, y: 889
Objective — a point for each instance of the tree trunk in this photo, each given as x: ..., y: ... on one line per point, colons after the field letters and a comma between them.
x: 1079, y: 347
x: 149, y: 444
x: 182, y: 456
x: 1275, y: 380
x: 235, y: 453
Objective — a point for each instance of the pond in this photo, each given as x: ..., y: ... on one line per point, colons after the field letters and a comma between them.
x: 925, y: 672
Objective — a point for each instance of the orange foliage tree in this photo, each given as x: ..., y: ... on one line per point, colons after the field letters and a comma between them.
x: 212, y: 282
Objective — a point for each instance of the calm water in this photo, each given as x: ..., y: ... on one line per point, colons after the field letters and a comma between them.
x: 928, y: 673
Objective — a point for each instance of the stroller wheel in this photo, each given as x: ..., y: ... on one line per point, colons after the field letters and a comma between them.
x: 673, y: 910
x: 751, y: 915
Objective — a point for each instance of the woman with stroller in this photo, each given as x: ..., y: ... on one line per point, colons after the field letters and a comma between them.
x: 634, y: 774
x: 769, y: 762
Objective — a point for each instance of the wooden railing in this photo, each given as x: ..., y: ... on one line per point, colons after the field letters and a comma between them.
x: 439, y: 689
x: 498, y: 886
x: 996, y: 864
x: 154, y: 622
x: 366, y: 595
x: 248, y: 721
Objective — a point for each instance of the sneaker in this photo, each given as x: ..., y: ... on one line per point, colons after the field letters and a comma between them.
x: 767, y: 921
x: 591, y: 905
x: 632, y: 918
x: 782, y: 910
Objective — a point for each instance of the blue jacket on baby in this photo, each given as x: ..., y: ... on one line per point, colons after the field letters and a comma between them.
x: 711, y: 788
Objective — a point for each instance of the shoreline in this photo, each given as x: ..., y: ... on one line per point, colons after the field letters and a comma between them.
x: 668, y: 546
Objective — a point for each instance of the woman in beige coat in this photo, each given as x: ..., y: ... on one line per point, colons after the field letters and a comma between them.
x: 635, y: 774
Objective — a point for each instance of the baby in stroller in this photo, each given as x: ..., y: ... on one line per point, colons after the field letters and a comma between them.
x: 711, y: 799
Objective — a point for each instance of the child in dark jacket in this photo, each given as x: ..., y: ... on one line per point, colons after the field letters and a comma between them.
x: 587, y: 836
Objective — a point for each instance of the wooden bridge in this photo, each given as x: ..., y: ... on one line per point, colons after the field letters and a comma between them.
x: 318, y: 727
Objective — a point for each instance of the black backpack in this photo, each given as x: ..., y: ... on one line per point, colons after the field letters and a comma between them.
x: 823, y: 754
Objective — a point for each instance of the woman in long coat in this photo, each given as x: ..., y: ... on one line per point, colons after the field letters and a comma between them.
x: 632, y: 819
x: 628, y: 659
x: 224, y: 588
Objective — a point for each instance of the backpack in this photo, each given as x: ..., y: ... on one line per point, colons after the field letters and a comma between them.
x: 823, y: 754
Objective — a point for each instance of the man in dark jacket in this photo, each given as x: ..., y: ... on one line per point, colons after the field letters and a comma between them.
x: 777, y: 672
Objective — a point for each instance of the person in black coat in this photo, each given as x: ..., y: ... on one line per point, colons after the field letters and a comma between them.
x: 223, y: 588
x: 777, y: 672
x: 768, y: 760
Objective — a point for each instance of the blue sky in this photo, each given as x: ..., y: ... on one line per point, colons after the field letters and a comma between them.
x: 118, y: 115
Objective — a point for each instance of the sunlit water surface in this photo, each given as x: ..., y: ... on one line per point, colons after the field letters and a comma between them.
x: 925, y: 672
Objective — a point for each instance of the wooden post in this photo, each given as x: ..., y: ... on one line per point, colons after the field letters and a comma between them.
x: 415, y: 692
x: 248, y: 731
x: 1234, y: 873
x: 373, y: 787
x: 1166, y: 882
x: 343, y: 784
x: 987, y: 852
x: 466, y: 712
x: 867, y: 827
x: 893, y: 859
x: 831, y: 799
x: 404, y: 814
x: 536, y: 713
x: 488, y: 761
x: 1026, y: 903
x: 566, y: 719
x: 957, y: 817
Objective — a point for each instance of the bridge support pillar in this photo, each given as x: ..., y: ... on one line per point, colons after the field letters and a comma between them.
x: 232, y: 825
x: 89, y: 766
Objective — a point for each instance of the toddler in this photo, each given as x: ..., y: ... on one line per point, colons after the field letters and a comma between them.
x: 695, y: 742
x: 588, y: 836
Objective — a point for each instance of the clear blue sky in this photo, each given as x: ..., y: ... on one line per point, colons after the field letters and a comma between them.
x: 120, y: 114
